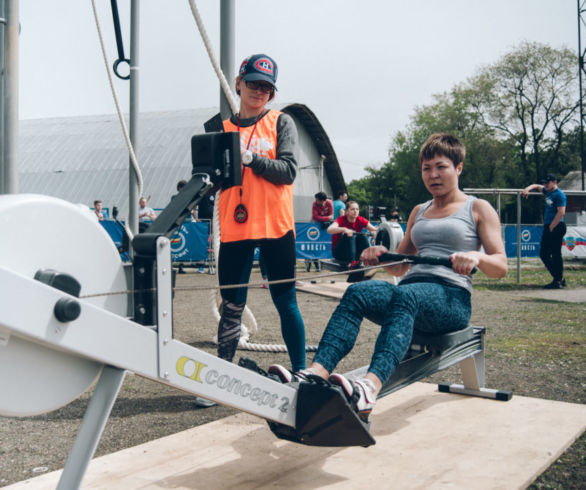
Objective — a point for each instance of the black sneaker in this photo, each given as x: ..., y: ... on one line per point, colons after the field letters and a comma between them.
x: 563, y: 283
x: 553, y: 285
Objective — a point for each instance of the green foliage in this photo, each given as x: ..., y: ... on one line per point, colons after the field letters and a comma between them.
x: 517, y: 118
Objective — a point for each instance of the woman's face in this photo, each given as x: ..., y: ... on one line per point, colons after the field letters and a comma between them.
x: 352, y: 212
x: 254, y: 95
x: 440, y: 176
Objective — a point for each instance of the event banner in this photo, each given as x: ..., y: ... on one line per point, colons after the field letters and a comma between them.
x: 575, y: 242
x: 190, y: 243
x: 312, y: 241
x: 530, y: 240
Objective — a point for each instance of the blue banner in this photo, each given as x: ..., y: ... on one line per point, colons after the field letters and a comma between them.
x: 312, y: 242
x: 114, y: 230
x: 190, y: 243
x: 530, y: 240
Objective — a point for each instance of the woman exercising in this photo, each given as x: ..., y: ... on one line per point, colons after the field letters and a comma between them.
x: 259, y: 213
x: 347, y: 240
x: 433, y: 298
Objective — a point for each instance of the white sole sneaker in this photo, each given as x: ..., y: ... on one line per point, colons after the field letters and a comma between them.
x: 287, y: 376
x: 359, y: 392
x: 204, y: 402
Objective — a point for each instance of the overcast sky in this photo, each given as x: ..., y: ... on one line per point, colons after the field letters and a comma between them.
x: 361, y: 66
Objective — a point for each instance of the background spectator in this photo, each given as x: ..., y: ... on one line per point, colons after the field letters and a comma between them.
x: 347, y: 240
x: 144, y: 212
x: 340, y: 204
x: 322, y: 211
x: 554, y: 229
x: 98, y: 209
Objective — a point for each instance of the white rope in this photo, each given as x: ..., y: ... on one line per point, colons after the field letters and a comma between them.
x: 247, y: 315
x: 133, y: 159
x: 208, y: 45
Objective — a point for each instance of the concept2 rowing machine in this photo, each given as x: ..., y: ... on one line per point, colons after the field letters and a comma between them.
x: 68, y: 323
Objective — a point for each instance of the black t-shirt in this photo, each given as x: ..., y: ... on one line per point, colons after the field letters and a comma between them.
x: 205, y: 209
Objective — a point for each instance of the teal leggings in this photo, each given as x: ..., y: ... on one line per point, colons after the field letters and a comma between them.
x: 234, y: 267
x: 428, y: 306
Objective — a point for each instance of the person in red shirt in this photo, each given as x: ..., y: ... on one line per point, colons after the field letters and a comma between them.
x: 322, y: 212
x: 322, y: 209
x: 347, y: 242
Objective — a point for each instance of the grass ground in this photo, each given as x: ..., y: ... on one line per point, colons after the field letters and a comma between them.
x: 536, y: 347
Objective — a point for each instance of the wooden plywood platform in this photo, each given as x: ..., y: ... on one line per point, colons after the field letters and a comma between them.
x: 324, y: 287
x: 425, y: 439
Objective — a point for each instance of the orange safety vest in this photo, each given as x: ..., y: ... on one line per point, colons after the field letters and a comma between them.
x: 269, y: 206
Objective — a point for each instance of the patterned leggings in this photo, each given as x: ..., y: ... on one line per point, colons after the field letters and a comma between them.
x: 429, y: 306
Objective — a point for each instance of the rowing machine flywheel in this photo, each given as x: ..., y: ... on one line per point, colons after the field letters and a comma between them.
x: 41, y: 233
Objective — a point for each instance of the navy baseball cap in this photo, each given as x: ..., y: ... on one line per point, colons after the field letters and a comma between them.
x: 549, y: 178
x: 259, y: 67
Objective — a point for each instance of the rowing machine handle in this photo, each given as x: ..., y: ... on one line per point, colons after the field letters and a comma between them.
x: 417, y: 259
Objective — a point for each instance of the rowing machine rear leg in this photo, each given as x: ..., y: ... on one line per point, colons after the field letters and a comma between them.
x: 473, y: 373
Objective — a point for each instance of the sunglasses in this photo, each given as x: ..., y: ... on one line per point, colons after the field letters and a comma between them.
x: 265, y: 88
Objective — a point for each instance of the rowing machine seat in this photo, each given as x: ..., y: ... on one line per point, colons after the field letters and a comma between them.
x: 442, y: 341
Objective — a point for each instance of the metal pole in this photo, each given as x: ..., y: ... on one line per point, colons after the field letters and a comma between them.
x: 580, y: 69
x: 10, y: 113
x: 133, y: 196
x: 2, y: 91
x: 518, y: 237
x: 227, y: 58
x: 322, y: 159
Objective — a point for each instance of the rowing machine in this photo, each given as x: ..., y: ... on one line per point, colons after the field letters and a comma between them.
x: 428, y: 354
x: 388, y: 234
x: 67, y: 323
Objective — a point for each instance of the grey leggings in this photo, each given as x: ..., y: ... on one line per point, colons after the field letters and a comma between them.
x: 429, y: 306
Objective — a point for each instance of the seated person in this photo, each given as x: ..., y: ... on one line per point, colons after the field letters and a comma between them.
x: 347, y: 240
x: 434, y: 299
x: 322, y: 209
x: 322, y: 212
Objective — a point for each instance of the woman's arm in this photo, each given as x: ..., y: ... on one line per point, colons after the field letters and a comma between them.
x: 282, y: 170
x: 492, y: 260
x: 335, y: 229
x: 372, y: 228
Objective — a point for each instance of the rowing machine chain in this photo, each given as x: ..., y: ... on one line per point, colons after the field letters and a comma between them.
x: 236, y: 286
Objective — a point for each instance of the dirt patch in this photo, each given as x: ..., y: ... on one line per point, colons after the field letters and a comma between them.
x: 534, y: 347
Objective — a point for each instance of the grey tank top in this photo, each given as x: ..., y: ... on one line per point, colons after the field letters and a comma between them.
x: 442, y: 237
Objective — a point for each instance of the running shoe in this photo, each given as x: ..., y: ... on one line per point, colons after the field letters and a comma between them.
x: 203, y: 402
x: 287, y: 376
x: 360, y: 393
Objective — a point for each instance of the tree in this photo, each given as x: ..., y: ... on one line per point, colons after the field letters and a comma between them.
x: 531, y: 97
x: 517, y: 118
